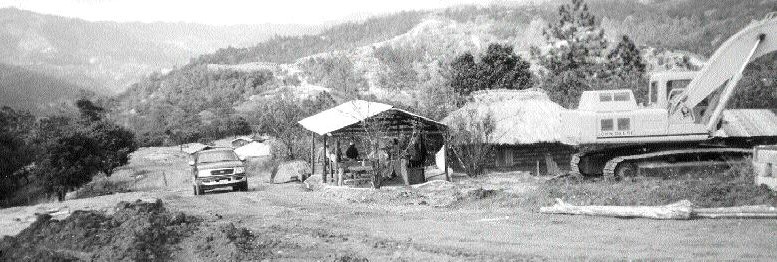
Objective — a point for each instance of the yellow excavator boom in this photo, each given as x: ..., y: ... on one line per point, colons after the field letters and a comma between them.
x: 725, y: 68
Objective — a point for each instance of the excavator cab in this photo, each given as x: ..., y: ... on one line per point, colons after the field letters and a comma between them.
x: 665, y: 86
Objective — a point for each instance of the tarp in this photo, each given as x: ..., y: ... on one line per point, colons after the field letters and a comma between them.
x: 348, y: 113
x: 253, y: 149
x: 439, y: 159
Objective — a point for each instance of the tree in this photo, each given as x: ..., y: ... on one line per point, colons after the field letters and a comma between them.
x: 68, y: 162
x: 625, y: 59
x: 577, y: 41
x: 114, y: 143
x: 436, y: 98
x: 88, y: 110
x: 502, y: 68
x: 15, y: 150
x: 74, y: 156
x: 498, y: 68
x: 464, y: 72
x: 15, y: 153
x: 576, y: 59
x: 278, y: 117
x: 758, y: 87
x: 72, y: 152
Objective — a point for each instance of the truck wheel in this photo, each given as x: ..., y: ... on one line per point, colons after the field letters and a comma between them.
x: 244, y: 186
x: 200, y: 191
x: 195, y: 190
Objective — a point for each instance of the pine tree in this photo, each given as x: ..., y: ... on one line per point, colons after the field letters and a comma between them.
x: 502, y: 68
x: 577, y: 59
x: 625, y: 58
x: 464, y: 74
x: 576, y: 40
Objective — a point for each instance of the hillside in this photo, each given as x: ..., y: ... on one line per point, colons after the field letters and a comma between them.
x: 24, y: 89
x: 402, y: 58
x: 106, y: 57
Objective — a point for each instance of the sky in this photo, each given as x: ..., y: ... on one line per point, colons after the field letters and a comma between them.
x: 227, y: 12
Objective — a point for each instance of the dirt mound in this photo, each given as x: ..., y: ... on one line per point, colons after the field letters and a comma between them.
x: 229, y: 243
x: 138, y: 231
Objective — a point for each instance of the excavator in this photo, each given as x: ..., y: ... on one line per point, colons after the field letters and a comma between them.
x: 682, y: 119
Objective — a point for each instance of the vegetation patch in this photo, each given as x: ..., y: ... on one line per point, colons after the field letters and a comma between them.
x: 704, y: 187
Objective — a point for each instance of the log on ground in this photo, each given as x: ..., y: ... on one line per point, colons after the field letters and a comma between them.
x: 680, y: 210
x: 761, y: 211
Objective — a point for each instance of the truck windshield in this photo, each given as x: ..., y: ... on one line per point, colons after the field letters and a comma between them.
x: 216, y: 156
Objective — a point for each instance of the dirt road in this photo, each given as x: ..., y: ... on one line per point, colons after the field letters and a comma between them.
x: 310, y: 225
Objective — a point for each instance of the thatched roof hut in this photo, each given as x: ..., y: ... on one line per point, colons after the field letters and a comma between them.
x: 527, y: 126
x: 521, y: 116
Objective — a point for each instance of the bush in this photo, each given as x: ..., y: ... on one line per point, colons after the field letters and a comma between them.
x: 470, y: 137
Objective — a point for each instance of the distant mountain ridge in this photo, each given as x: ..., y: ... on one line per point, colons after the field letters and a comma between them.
x: 106, y: 57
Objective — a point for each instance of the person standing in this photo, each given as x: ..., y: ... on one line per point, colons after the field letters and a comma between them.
x: 352, y: 153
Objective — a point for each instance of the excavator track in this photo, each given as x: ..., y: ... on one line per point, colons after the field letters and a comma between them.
x: 612, y: 164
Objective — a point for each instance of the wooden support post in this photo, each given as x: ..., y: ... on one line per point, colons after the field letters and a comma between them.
x: 325, y: 172
x: 445, y: 156
x: 538, y: 168
x: 337, y: 159
x: 404, y: 170
x: 340, y: 175
x: 313, y: 154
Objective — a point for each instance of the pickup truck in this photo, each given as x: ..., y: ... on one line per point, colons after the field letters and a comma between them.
x: 218, y: 168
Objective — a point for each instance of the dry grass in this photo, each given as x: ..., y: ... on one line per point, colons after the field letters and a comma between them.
x: 705, y: 187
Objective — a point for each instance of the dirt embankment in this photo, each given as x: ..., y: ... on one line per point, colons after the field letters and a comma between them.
x: 137, y: 231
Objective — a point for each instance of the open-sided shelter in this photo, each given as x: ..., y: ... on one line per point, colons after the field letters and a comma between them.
x: 363, y: 118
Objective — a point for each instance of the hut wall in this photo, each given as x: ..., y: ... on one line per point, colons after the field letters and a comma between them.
x: 526, y: 157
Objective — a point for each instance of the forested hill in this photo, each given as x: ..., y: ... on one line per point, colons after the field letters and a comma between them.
x: 405, y: 58
x: 287, y: 49
x: 24, y: 89
x: 696, y: 26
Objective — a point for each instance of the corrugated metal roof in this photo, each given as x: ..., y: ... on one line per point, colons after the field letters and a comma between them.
x: 750, y: 122
x: 348, y: 113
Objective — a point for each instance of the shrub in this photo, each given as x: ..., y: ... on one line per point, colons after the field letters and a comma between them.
x: 470, y: 137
